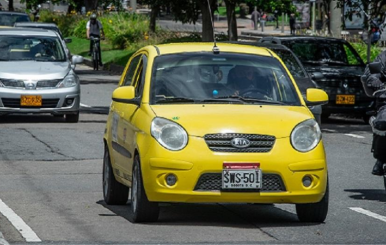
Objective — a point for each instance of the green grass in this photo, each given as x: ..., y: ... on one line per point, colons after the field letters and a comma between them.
x: 223, y: 11
x: 81, y: 47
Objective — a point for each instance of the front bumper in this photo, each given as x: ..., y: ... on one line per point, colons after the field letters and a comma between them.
x: 195, y: 161
x: 54, y: 101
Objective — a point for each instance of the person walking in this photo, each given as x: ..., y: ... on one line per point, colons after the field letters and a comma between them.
x: 292, y: 22
x: 95, y: 29
x: 255, y: 17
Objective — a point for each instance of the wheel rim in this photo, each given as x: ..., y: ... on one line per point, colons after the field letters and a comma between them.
x: 106, y: 174
x: 134, y: 190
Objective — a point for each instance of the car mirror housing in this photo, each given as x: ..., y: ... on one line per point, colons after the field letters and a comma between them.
x: 316, y: 97
x: 125, y: 94
x: 68, y: 40
x: 317, y: 75
x: 375, y: 67
x: 76, y: 59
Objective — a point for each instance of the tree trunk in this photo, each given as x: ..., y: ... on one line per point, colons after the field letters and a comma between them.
x: 91, y: 5
x: 155, y: 8
x: 10, y: 5
x: 207, y: 28
x: 231, y: 19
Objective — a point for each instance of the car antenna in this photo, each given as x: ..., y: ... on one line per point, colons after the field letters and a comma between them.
x: 216, y: 50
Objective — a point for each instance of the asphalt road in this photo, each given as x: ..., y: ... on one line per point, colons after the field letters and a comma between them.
x: 50, y: 177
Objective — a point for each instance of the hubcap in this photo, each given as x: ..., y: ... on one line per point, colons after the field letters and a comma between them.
x: 134, y: 191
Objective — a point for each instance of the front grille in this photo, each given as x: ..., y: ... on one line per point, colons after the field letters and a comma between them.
x: 10, y: 83
x: 222, y: 142
x: 212, y: 182
x: 337, y: 82
x: 15, y: 103
x: 47, y: 83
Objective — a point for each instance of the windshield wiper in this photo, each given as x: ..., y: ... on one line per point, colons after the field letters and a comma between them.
x: 250, y: 100
x: 167, y: 100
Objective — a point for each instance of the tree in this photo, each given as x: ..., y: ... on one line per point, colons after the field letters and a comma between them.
x: 231, y: 19
x: 10, y: 5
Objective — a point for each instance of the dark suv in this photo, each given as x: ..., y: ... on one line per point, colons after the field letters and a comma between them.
x: 9, y: 18
x: 341, y: 67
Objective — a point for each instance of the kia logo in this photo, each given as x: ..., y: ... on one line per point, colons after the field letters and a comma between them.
x: 240, y: 142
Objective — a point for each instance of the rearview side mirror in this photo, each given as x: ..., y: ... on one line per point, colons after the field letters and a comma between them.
x: 375, y: 67
x: 68, y: 40
x: 76, y: 59
x: 316, y: 75
x: 125, y: 94
x: 316, y: 96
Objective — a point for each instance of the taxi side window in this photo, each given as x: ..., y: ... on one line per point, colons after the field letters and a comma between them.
x: 130, y: 71
x: 140, y: 77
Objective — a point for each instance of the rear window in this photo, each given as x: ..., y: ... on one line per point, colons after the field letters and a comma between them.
x: 199, y: 76
x: 10, y: 19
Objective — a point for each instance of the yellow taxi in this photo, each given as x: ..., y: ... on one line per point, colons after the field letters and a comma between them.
x: 200, y: 122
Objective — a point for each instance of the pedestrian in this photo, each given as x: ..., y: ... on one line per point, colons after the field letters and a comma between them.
x: 95, y: 29
x: 292, y: 22
x: 255, y: 17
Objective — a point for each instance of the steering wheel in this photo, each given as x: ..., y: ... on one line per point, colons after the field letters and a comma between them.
x: 254, y: 93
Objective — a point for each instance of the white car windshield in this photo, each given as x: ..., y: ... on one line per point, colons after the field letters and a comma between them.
x: 221, y: 78
x: 21, y: 48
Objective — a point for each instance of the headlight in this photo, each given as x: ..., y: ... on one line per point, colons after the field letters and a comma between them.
x: 69, y: 81
x: 306, y: 135
x: 169, y: 134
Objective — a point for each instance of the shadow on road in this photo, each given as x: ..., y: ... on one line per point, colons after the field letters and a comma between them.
x: 368, y: 194
x: 222, y: 215
x: 11, y: 119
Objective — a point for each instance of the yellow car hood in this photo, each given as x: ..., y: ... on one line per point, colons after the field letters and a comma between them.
x: 199, y: 120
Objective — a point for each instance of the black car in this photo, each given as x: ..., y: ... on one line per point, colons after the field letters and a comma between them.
x: 340, y: 65
x: 302, y: 78
x: 9, y: 18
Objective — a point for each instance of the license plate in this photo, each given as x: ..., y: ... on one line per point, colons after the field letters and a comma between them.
x: 241, y: 176
x: 345, y: 99
x: 31, y: 100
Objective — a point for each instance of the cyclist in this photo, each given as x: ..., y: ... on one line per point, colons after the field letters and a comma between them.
x: 95, y: 29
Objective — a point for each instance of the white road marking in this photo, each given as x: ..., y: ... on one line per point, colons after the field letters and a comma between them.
x: 2, y: 240
x: 368, y: 213
x: 18, y: 223
x: 329, y: 130
x: 83, y: 105
x: 355, y: 136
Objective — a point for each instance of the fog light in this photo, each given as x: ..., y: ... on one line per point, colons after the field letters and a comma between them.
x: 307, y: 181
x: 69, y: 101
x: 171, y: 179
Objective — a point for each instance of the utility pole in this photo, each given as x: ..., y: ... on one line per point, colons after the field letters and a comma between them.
x: 133, y: 5
x: 335, y: 19
x: 313, y: 2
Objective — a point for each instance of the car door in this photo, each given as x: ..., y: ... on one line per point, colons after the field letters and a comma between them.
x: 123, y: 130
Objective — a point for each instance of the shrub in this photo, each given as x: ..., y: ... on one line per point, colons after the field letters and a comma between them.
x: 66, y: 23
x: 361, y: 48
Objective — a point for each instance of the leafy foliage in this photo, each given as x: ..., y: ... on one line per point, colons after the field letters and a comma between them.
x: 361, y: 48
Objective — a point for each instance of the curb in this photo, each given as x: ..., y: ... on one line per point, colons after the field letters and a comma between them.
x: 107, y: 67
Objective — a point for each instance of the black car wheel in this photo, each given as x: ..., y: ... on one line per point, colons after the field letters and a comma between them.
x: 74, y: 118
x: 141, y: 209
x: 314, y: 212
x: 114, y: 193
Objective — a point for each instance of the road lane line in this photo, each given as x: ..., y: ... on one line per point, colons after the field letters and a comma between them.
x: 18, y: 223
x: 329, y: 130
x: 369, y: 213
x: 355, y: 136
x: 83, y: 105
x: 2, y: 240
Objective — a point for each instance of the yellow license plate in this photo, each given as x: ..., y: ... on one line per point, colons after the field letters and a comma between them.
x: 345, y: 99
x: 31, y: 100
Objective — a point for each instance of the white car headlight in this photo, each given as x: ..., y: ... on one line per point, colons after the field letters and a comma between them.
x: 169, y: 134
x: 306, y: 135
x: 69, y: 81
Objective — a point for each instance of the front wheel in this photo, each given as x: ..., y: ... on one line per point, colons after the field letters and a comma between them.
x: 314, y: 212
x: 141, y: 209
x: 73, y: 118
x: 95, y: 59
x: 384, y: 175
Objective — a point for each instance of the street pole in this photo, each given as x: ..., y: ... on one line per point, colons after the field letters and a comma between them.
x: 282, y: 22
x: 313, y: 15
x: 133, y: 5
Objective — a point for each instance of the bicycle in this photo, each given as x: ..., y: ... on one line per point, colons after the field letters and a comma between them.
x: 95, y: 52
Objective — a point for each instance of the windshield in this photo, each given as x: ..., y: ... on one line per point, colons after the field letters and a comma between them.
x: 220, y: 78
x: 11, y: 19
x: 31, y: 48
x: 328, y: 52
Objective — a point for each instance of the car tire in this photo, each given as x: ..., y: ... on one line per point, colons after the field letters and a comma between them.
x: 314, y: 212
x: 366, y: 118
x: 73, y: 118
x: 384, y: 175
x: 325, y: 116
x: 141, y: 209
x: 114, y: 193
